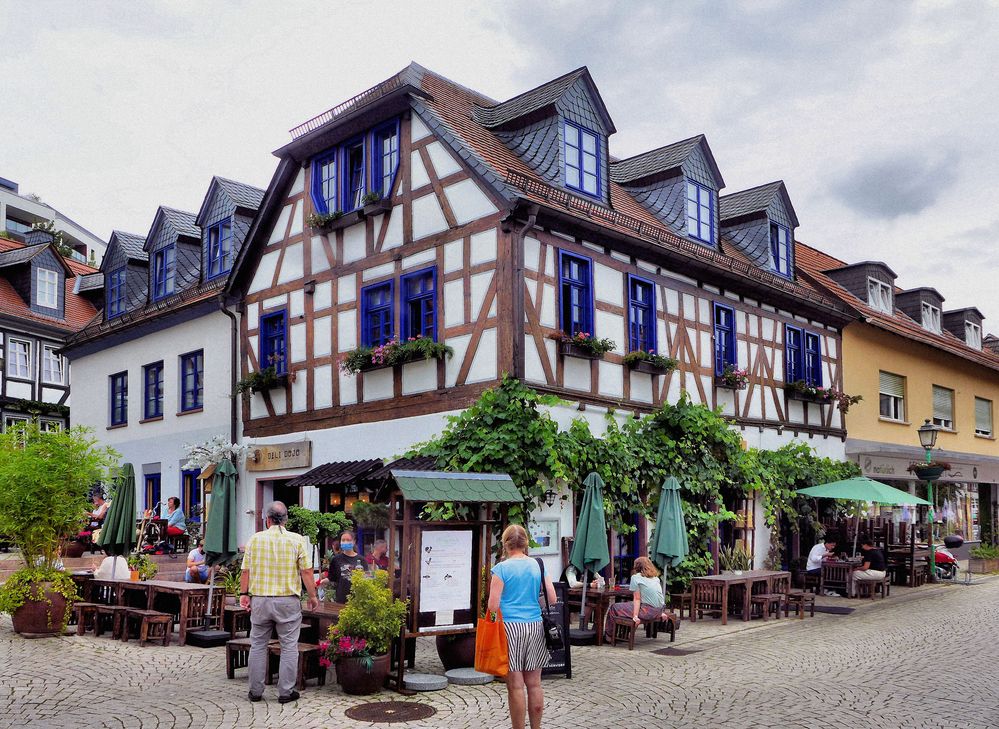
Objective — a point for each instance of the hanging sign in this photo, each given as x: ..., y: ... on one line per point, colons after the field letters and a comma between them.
x: 279, y: 456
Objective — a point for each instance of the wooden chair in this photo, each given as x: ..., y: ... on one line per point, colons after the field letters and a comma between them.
x: 709, y: 599
x: 103, y: 594
x: 236, y: 620
x: 178, y: 542
x: 834, y: 577
x: 86, y: 616
x: 237, y: 655
x: 800, y: 600
x: 308, y: 664
x: 679, y: 600
x: 199, y: 609
x: 625, y: 628
x: 812, y: 582
x: 150, y: 625
x: 109, y: 617
x: 768, y: 603
x: 869, y: 588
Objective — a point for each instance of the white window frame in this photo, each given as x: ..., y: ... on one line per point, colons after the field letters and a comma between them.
x: 931, y: 317
x: 879, y: 296
x: 947, y: 423
x: 47, y: 288
x: 49, y: 426
x: 972, y: 335
x: 991, y: 426
x: 48, y: 356
x: 896, y: 402
x: 12, y: 365
x: 11, y: 420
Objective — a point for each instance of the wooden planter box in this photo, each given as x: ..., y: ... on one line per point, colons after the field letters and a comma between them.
x: 806, y: 397
x: 377, y: 208
x: 569, y: 349
x: 983, y: 565
x: 719, y: 382
x: 345, y: 221
x: 374, y: 367
x: 280, y: 381
x: 650, y: 369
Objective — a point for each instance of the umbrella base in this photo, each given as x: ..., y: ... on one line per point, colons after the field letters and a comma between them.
x: 207, y: 638
x: 582, y: 637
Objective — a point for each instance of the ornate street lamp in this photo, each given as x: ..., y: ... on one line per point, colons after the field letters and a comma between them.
x: 550, y: 496
x: 928, y: 440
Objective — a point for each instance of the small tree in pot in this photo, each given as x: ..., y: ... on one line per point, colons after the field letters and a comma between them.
x: 45, y: 483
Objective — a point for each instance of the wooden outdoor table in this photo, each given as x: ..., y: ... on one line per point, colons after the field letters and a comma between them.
x: 114, y: 585
x: 908, y: 558
x: 602, y: 600
x: 852, y: 565
x: 232, y: 617
x: 747, y: 579
x: 321, y: 618
x: 83, y: 579
x: 183, y: 591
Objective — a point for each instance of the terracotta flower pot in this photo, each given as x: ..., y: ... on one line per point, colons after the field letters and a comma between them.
x: 39, y: 618
x: 354, y: 677
x: 133, y: 575
x: 73, y: 549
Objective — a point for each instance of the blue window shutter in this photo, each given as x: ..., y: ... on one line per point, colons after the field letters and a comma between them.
x: 324, y: 182
x: 813, y: 359
x: 385, y: 158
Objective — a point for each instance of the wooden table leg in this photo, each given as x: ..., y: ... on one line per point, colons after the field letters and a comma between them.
x: 724, y: 615
x: 184, y: 607
x: 693, y: 601
x: 600, y: 619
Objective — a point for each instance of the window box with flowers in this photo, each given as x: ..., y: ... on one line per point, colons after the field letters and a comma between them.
x: 650, y: 362
x: 800, y: 390
x: 392, y: 353
x: 264, y: 380
x: 374, y: 204
x: 584, y: 345
x: 732, y: 378
x: 328, y: 222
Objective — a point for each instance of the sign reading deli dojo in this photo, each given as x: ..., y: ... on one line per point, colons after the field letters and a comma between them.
x: 280, y: 456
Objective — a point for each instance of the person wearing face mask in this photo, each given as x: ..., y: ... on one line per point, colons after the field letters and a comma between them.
x: 342, y: 565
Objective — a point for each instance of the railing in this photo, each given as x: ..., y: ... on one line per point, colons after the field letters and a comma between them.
x: 349, y: 105
x: 659, y: 235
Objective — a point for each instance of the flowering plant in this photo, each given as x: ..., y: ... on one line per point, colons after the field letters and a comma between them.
x: 734, y: 377
x: 824, y: 394
x: 667, y: 364
x: 393, y: 352
x: 587, y: 342
x: 342, y: 646
x: 215, y: 450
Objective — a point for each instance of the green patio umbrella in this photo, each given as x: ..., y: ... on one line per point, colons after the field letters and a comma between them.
x: 118, y: 531
x: 589, y: 547
x: 861, y: 488
x: 668, y: 546
x: 220, y: 531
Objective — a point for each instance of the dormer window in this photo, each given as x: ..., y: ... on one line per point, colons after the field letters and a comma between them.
x: 353, y: 157
x: 582, y: 163
x: 931, y: 318
x: 879, y: 296
x: 220, y: 248
x: 46, y: 288
x: 386, y: 158
x: 116, y: 293
x: 700, y: 213
x: 341, y: 176
x: 780, y: 249
x: 164, y: 267
x: 972, y: 335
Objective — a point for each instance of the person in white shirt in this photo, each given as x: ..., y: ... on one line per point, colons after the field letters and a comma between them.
x: 819, y: 553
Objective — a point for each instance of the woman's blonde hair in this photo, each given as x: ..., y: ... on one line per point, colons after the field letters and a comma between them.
x: 645, y: 567
x: 514, y: 539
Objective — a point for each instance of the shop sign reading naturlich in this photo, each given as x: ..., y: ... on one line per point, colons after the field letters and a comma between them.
x: 445, y: 575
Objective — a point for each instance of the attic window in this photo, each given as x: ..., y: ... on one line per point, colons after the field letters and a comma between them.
x: 780, y: 249
x: 582, y: 164
x: 116, y: 293
x: 700, y: 213
x: 931, y: 318
x: 879, y: 296
x: 972, y: 335
x: 47, y: 288
x: 220, y: 248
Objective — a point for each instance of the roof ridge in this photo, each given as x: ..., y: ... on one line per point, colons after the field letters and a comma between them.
x: 696, y: 137
x: 578, y: 72
x: 752, y: 189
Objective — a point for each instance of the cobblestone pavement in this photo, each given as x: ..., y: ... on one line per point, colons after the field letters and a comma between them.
x: 922, y: 658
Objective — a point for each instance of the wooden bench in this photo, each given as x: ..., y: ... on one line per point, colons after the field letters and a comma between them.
x: 150, y: 625
x: 237, y: 655
x: 308, y: 664
x: 109, y: 617
x: 625, y: 629
x: 800, y: 599
x: 769, y: 603
x: 86, y: 616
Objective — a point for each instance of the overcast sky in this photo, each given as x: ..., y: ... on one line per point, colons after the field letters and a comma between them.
x: 880, y: 117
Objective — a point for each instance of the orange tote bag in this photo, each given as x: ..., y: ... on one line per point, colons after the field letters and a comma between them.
x: 491, y: 655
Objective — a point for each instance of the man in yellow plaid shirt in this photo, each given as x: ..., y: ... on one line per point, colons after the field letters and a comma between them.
x: 275, y: 565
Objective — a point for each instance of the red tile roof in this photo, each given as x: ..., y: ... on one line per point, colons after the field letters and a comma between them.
x: 813, y: 263
x: 79, y: 312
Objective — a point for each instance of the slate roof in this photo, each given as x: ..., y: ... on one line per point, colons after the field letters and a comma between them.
x: 20, y: 255
x: 991, y: 343
x: 670, y: 157
x: 132, y: 244
x: 245, y: 196
x: 424, y: 486
x: 754, y: 200
x: 814, y: 263
x: 90, y: 282
x: 182, y: 222
x: 336, y: 473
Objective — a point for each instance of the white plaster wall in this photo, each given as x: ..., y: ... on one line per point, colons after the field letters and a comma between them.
x: 291, y: 264
x: 483, y: 247
x: 428, y: 218
x: 467, y: 201
x: 354, y: 241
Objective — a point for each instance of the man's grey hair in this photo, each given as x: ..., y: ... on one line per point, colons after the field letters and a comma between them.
x: 277, y: 512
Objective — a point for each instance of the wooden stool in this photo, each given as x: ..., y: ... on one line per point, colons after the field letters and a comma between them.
x: 678, y: 600
x: 800, y: 600
x: 624, y: 629
x: 870, y: 588
x: 652, y: 627
x: 237, y: 655
x: 151, y: 625
x: 812, y: 582
x: 86, y: 614
x: 769, y: 603
x: 109, y: 616
x: 308, y: 664
x: 179, y: 542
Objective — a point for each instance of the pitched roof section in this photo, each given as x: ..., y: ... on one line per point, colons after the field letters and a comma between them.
x: 423, y: 486
x: 89, y: 282
x: 245, y: 196
x: 754, y: 200
x: 132, y: 244
x: 814, y: 263
x: 660, y: 160
x: 78, y: 311
x: 179, y: 222
x: 539, y: 98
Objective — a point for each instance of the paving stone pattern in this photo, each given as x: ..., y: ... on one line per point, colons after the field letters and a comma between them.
x: 922, y: 658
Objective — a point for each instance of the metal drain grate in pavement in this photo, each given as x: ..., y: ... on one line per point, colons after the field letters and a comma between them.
x: 676, y: 651
x: 390, y: 712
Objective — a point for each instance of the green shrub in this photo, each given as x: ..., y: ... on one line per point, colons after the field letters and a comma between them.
x: 29, y: 583
x: 371, y: 611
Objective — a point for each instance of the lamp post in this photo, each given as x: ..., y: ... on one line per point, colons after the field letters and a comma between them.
x: 928, y: 440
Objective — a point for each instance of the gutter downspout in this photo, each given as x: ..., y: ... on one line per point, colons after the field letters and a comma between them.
x: 233, y: 365
x: 517, y: 243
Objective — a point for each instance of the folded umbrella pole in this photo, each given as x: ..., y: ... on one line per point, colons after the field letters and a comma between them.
x: 589, y: 546
x: 669, y: 546
x: 118, y: 532
x: 220, y: 531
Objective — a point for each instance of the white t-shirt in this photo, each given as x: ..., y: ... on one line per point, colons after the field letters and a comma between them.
x: 112, y: 568
x: 815, y: 556
x: 196, y: 556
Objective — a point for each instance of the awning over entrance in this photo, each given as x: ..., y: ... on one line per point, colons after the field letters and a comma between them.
x: 371, y: 473
x: 444, y: 486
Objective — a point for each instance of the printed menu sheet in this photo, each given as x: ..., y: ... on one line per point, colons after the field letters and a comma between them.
x: 446, y: 573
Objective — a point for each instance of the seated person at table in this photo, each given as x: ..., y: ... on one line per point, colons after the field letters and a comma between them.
x: 648, y: 602
x: 571, y: 577
x: 342, y: 565
x: 821, y: 552
x: 112, y: 568
x: 95, y: 518
x: 378, y: 559
x: 197, y: 570
x: 176, y: 523
x: 873, y: 567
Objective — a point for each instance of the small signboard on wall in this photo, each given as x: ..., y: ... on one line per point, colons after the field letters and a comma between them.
x: 280, y: 456
x: 544, y: 534
x: 446, y: 576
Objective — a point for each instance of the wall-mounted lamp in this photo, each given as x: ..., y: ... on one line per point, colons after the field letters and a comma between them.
x: 335, y: 499
x: 550, y: 496
x: 309, y: 287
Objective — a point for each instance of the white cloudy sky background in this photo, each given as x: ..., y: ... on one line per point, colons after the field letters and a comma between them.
x: 880, y: 117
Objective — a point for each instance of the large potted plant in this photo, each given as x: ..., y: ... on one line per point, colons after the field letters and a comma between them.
x: 359, y: 642
x: 45, y: 483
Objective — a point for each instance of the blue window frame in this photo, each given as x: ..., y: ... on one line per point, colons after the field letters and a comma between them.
x: 353, y: 175
x: 419, y: 304
x: 700, y: 213
x: 152, y: 379
x: 118, y: 387
x: 641, y: 315
x: 377, y: 325
x: 725, y: 351
x: 192, y: 386
x: 780, y: 249
x: 581, y: 154
x: 116, y: 293
x: 575, y: 283
x: 813, y: 359
x: 385, y: 158
x: 793, y: 354
x: 164, y: 268
x: 153, y: 491
x: 190, y: 494
x: 220, y: 248
x: 273, y: 342
x: 324, y: 182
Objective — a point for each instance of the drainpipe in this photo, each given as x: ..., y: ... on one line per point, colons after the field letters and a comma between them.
x: 518, y: 290
x: 233, y: 365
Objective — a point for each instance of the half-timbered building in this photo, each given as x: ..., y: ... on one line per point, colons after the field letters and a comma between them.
x: 423, y: 209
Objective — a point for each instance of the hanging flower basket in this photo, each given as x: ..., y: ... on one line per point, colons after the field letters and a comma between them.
x: 928, y: 472
x: 583, y: 345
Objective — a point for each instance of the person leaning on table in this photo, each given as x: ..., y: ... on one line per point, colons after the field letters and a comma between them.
x: 873, y: 568
x: 275, y: 565
x: 648, y: 601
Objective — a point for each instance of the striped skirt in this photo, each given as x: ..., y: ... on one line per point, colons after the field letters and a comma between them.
x: 526, y: 646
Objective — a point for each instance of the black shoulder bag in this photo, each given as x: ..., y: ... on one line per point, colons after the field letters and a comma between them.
x: 553, y: 631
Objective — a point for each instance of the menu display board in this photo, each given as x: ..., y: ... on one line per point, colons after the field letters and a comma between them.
x: 445, y: 572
